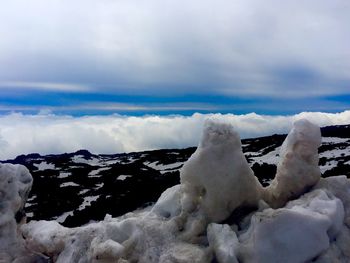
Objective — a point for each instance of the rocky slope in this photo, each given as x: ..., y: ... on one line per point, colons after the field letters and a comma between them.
x: 79, y: 187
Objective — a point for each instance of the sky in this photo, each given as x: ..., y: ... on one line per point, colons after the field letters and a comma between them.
x: 121, y: 59
x: 88, y: 57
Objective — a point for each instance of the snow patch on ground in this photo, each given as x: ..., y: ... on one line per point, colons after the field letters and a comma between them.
x: 44, y: 166
x: 98, y: 186
x: 334, y: 140
x: 122, y: 177
x: 335, y: 153
x: 64, y: 175
x: 164, y: 168
x: 96, y: 173
x: 87, y: 202
x: 328, y: 166
x: 66, y: 184
x: 81, y: 159
x: 84, y: 191
x: 269, y: 158
x: 64, y: 216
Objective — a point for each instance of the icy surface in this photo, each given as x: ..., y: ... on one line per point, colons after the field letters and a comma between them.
x: 219, y: 213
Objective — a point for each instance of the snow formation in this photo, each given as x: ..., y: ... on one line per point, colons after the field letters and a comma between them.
x: 15, y: 184
x: 298, y: 167
x: 218, y: 212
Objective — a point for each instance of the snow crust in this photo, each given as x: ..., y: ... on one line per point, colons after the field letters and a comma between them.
x: 219, y: 212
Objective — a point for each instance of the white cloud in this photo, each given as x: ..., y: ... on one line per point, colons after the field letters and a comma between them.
x: 243, y: 47
x: 46, y: 134
x: 47, y: 86
x: 114, y: 107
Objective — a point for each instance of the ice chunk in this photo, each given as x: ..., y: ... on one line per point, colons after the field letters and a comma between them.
x: 297, y: 233
x: 298, y: 168
x: 217, y: 178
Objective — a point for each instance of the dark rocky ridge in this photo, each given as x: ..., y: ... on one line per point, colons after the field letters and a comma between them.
x: 75, y: 188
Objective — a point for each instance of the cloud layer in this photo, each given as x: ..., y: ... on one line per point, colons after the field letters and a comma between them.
x: 234, y: 48
x: 45, y: 133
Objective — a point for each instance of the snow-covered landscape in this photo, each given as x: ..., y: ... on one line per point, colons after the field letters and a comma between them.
x: 175, y: 131
x: 267, y: 199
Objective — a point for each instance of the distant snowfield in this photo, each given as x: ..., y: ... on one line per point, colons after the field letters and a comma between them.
x: 44, y: 166
x: 163, y: 168
x: 24, y: 134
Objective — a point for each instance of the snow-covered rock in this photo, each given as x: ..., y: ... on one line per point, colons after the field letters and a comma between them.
x: 219, y: 212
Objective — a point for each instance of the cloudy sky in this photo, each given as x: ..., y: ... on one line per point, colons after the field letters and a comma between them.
x: 154, y: 65
x: 134, y: 57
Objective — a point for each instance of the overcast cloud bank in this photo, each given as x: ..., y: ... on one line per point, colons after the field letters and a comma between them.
x: 47, y: 133
x: 246, y: 48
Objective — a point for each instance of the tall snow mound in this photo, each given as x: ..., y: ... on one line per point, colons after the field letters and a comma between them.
x: 298, y: 167
x: 217, y: 178
x: 15, y: 184
x: 219, y: 212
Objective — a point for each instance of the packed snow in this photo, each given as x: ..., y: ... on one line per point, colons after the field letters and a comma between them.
x: 219, y: 212
x: 217, y: 167
x: 298, y: 167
